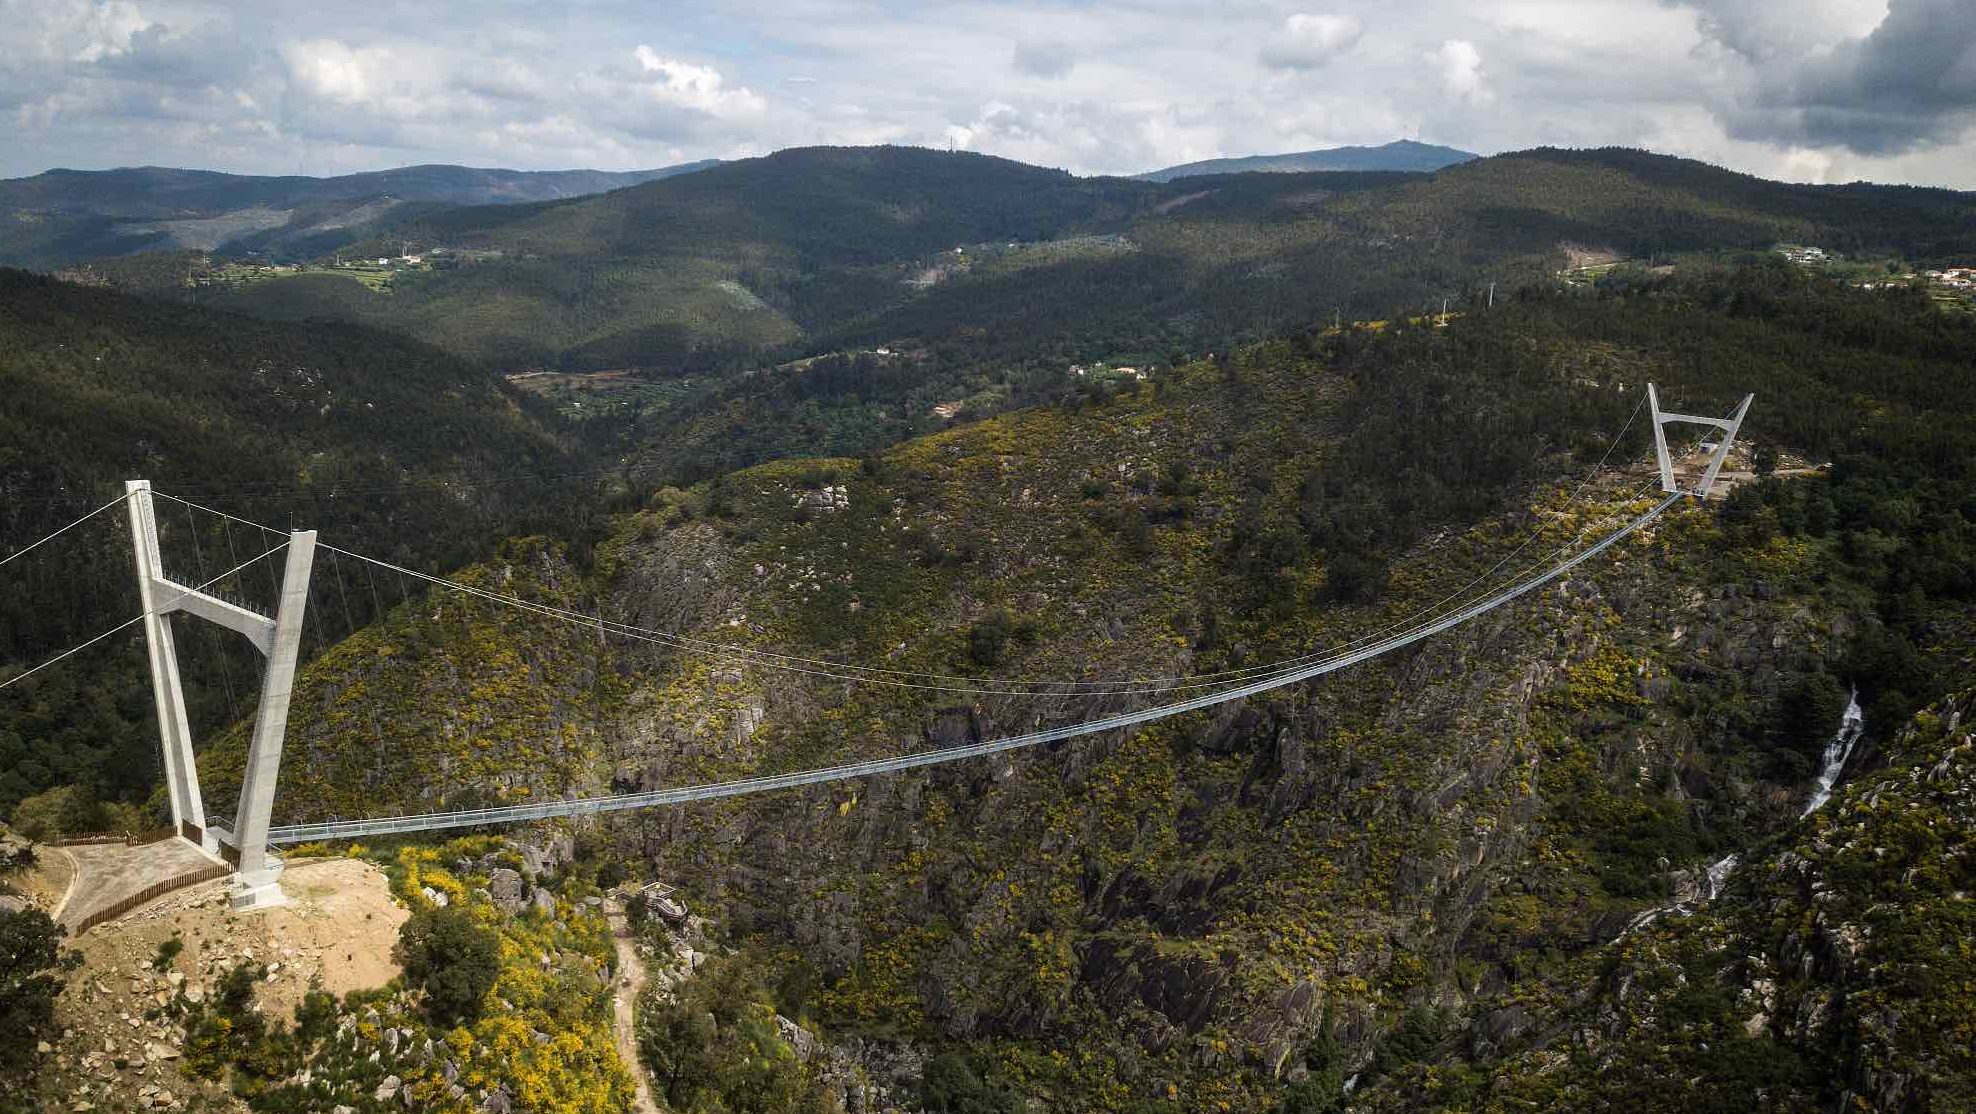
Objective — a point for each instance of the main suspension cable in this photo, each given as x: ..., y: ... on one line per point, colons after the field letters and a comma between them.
x: 909, y: 679
x: 161, y: 609
x: 32, y: 546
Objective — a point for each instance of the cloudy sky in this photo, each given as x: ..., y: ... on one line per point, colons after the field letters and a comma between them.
x: 1810, y: 90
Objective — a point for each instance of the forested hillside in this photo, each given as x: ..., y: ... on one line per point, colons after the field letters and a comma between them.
x: 726, y: 264
x: 1401, y: 154
x: 367, y: 435
x: 1355, y: 877
x: 809, y: 251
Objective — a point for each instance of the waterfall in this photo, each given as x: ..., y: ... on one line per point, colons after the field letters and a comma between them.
x: 1718, y: 874
x: 1709, y: 886
x: 1706, y: 888
x: 1837, y: 751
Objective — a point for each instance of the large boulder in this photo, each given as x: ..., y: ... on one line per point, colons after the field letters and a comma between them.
x: 506, y: 889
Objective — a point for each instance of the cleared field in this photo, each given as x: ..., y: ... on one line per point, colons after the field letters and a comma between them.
x: 600, y: 393
x: 373, y: 277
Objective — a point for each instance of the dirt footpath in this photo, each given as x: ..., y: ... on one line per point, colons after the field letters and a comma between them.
x: 630, y: 980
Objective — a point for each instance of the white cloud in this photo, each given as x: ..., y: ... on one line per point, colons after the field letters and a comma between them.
x: 1097, y: 86
x: 109, y: 29
x: 1460, y: 67
x: 337, y: 72
x: 699, y: 88
x: 1307, y: 41
x: 1767, y: 30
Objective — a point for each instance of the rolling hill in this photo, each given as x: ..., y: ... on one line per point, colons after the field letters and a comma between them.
x: 812, y: 250
x: 1401, y: 154
x: 63, y: 217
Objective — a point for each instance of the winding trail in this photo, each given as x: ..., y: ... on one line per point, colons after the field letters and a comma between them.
x: 624, y: 1004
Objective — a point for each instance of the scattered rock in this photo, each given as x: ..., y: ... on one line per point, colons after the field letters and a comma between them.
x: 801, y: 1040
x: 835, y: 497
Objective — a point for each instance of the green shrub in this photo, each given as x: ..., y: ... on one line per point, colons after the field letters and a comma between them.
x: 1315, y: 1094
x: 167, y: 952
x: 950, y: 1085
x: 32, y: 963
x: 453, y: 959
x: 713, y: 1045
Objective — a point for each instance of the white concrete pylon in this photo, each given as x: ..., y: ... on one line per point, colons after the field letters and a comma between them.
x: 257, y: 877
x: 168, y: 696
x: 1729, y: 427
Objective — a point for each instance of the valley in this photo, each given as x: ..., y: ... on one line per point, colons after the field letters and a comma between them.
x: 846, y: 455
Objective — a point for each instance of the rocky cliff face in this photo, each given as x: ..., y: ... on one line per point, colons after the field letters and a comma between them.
x: 1834, y: 972
x: 1192, y: 903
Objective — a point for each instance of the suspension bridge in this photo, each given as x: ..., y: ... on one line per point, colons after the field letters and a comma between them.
x: 246, y: 844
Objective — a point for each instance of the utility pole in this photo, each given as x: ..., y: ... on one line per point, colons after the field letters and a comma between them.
x: 1492, y: 293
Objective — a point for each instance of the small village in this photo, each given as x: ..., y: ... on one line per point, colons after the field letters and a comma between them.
x: 375, y: 272
x: 1954, y: 278
x: 1953, y: 287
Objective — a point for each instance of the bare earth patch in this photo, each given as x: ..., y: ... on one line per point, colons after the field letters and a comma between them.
x: 48, y: 883
x: 338, y: 929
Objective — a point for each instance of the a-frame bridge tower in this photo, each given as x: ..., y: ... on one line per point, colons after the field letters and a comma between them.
x: 1729, y: 427
x: 244, y: 846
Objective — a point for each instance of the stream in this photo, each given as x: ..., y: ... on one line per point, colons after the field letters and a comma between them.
x: 1838, y: 751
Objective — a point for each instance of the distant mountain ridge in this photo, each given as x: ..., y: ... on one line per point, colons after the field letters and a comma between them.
x: 65, y: 216
x: 160, y: 190
x: 1401, y: 154
x: 813, y: 250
